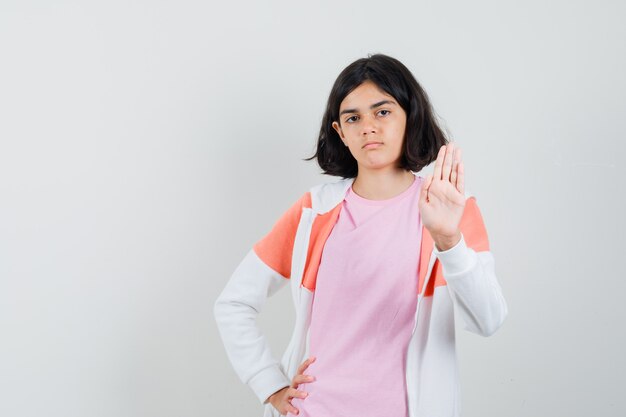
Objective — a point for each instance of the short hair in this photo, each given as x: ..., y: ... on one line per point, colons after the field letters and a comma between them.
x: 423, y: 137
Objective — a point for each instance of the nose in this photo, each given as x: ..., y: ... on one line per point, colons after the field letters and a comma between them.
x: 369, y: 125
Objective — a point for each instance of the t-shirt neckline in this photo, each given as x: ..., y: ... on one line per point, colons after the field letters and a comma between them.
x: 362, y: 200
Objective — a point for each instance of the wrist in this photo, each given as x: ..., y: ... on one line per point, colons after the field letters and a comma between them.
x: 270, y: 398
x: 444, y: 243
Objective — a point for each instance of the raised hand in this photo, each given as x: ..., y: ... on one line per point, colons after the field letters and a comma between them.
x: 442, y: 198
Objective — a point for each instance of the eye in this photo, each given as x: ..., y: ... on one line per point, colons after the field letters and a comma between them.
x: 386, y: 111
x: 349, y: 118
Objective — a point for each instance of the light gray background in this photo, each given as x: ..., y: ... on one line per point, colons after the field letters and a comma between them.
x: 146, y: 145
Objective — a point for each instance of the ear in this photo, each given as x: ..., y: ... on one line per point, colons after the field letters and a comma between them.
x: 338, y: 129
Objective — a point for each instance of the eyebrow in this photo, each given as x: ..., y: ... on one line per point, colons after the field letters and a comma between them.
x: 380, y: 103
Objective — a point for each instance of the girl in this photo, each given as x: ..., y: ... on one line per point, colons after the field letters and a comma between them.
x: 377, y: 263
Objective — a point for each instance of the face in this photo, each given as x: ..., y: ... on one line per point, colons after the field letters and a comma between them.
x: 371, y: 123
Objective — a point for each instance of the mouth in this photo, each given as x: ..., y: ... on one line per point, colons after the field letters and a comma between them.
x: 372, y: 145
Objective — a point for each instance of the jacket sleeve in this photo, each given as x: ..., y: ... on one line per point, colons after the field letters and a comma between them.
x: 263, y: 271
x: 469, y: 270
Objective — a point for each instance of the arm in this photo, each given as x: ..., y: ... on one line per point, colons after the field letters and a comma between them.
x: 264, y: 270
x: 235, y: 312
x: 455, y: 224
x: 469, y: 270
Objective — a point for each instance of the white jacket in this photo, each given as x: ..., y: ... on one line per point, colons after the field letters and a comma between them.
x: 290, y: 253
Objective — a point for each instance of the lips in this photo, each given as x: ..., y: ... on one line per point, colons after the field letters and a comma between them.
x: 372, y: 144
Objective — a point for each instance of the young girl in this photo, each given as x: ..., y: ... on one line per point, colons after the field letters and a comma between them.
x: 377, y: 263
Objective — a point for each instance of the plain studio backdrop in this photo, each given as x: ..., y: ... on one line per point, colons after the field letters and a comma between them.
x: 147, y: 145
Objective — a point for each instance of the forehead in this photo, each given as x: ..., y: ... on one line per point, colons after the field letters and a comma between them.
x: 366, y: 93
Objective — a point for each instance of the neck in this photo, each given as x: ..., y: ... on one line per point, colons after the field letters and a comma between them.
x: 375, y: 185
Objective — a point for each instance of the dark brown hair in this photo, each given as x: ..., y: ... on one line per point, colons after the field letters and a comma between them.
x: 422, y: 137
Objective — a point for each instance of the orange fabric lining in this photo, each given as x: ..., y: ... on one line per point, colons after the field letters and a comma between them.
x: 320, y: 230
x: 276, y: 247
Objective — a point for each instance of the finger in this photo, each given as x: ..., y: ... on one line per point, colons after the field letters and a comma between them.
x: 425, y: 186
x: 455, y: 166
x: 447, y: 162
x: 460, y: 181
x: 297, y: 393
x: 305, y: 365
x: 439, y: 163
x: 291, y: 409
x: 303, y: 379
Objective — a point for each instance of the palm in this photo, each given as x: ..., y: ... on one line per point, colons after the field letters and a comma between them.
x: 442, y: 199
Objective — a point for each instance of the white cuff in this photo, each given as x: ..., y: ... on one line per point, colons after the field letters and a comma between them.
x: 455, y: 260
x: 267, y: 382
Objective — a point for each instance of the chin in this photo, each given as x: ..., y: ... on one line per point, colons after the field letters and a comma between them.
x: 377, y: 164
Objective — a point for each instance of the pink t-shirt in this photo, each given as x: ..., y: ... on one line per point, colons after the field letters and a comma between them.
x: 364, y: 309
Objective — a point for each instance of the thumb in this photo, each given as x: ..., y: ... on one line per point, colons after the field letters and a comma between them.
x: 425, y: 186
